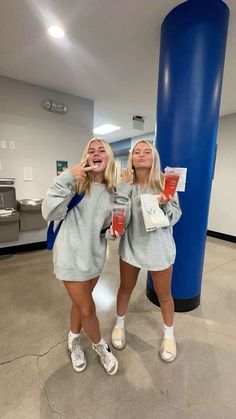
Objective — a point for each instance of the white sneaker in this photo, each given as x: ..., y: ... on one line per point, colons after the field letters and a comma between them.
x: 77, y: 355
x: 108, y: 360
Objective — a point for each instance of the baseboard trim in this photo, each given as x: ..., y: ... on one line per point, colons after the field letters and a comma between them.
x: 221, y: 236
x: 23, y: 248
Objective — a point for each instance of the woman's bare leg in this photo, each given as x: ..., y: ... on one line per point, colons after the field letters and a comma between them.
x: 162, y: 286
x: 128, y: 280
x: 75, y: 322
x: 85, y: 313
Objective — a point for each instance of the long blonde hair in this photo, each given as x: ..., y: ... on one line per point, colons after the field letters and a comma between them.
x: 156, y: 177
x: 109, y: 175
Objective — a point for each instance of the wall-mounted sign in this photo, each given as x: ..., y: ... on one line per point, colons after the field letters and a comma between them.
x: 61, y: 166
x: 28, y: 173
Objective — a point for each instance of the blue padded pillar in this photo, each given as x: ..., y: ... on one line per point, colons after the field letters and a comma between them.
x: 193, y: 43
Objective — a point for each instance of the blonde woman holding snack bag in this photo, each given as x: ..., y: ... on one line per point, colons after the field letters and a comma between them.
x: 79, y: 250
x: 147, y: 242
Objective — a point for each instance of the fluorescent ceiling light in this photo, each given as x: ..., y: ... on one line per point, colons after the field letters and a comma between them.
x: 56, y: 31
x: 105, y: 129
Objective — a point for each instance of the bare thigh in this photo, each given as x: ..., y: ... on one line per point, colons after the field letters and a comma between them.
x: 162, y: 282
x: 128, y: 276
x: 80, y: 293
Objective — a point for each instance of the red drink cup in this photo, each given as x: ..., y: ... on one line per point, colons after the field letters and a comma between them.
x: 118, y: 218
x: 171, y: 182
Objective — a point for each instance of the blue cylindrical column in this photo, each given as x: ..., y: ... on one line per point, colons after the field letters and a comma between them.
x: 193, y: 42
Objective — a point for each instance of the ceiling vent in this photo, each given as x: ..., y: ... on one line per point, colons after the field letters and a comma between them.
x: 138, y: 122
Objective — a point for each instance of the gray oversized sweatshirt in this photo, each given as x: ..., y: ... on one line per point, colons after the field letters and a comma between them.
x: 79, y: 250
x: 152, y: 250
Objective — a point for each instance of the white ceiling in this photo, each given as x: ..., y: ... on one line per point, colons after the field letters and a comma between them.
x: 110, y: 54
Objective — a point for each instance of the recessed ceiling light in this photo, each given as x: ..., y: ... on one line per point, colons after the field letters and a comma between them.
x: 56, y: 31
x: 105, y: 129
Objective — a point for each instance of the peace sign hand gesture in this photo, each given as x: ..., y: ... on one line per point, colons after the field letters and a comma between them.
x: 80, y: 169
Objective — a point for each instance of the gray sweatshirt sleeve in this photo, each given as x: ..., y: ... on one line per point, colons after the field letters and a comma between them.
x: 123, y: 197
x: 55, y: 205
x: 173, y: 210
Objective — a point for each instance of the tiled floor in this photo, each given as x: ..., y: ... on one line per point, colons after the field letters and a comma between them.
x: 37, y: 380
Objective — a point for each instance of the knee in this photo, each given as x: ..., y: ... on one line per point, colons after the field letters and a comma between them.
x: 165, y: 298
x: 87, y: 313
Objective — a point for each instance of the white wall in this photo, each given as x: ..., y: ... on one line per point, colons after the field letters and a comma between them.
x: 40, y: 137
x: 222, y: 215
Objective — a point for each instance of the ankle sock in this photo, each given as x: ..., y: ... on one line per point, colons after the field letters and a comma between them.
x: 101, y: 342
x: 169, y: 332
x: 120, y: 321
x: 71, y: 336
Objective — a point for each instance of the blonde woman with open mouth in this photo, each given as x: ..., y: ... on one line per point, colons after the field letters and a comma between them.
x: 79, y: 250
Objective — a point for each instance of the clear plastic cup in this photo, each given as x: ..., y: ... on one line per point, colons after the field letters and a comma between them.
x: 118, y: 218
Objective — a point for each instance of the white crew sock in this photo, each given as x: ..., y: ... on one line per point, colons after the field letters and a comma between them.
x: 71, y: 336
x: 101, y: 342
x: 169, y: 332
x: 120, y: 321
